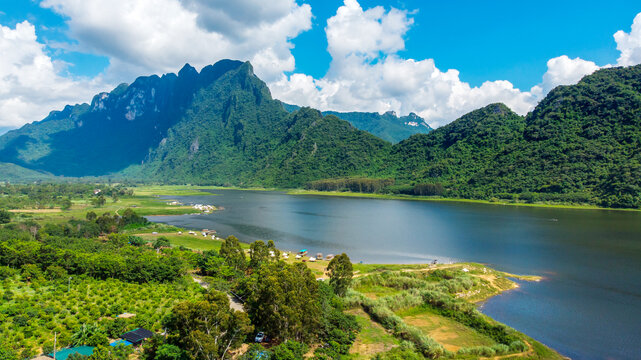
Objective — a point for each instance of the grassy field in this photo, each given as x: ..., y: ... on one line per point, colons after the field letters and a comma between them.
x: 451, y: 334
x: 194, y: 242
x: 372, y: 339
x: 142, y: 204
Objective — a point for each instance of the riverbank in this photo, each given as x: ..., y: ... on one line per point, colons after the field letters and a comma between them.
x: 443, y: 199
x: 192, y: 190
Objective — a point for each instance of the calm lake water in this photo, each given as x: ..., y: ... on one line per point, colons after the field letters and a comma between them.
x: 588, y: 306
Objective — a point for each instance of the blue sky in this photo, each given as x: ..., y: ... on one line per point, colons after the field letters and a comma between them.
x: 366, y: 55
x: 489, y: 40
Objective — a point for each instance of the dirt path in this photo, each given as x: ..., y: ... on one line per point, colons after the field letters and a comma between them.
x: 233, y: 302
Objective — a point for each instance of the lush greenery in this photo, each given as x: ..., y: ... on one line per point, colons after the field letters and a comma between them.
x: 221, y: 127
x: 387, y: 126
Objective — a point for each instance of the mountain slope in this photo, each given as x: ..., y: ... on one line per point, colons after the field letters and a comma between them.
x: 455, y: 153
x: 387, y: 126
x: 235, y: 133
x: 116, y: 130
x: 582, y: 143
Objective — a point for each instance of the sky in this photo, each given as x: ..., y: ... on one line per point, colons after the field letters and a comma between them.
x: 439, y: 59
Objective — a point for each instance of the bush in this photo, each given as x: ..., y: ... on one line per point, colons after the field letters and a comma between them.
x: 289, y: 350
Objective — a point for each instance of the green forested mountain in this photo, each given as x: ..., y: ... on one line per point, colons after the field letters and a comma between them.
x: 582, y: 143
x: 118, y: 128
x: 387, y: 126
x: 221, y: 126
x: 235, y: 133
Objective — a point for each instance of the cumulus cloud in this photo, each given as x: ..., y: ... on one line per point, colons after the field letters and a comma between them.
x: 563, y: 71
x: 629, y: 44
x: 157, y: 36
x: 30, y: 81
x: 366, y: 73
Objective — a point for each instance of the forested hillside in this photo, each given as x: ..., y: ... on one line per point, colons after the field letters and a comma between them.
x: 235, y: 133
x: 387, y: 126
x: 581, y: 144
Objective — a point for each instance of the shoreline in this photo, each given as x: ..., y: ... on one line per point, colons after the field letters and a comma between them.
x: 196, y: 190
x: 444, y: 199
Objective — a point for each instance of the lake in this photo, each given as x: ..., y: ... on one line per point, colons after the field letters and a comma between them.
x: 588, y: 306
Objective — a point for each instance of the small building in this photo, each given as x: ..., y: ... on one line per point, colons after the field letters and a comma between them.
x: 120, y: 342
x: 137, y: 336
x: 319, y: 256
x: 65, y: 353
x: 303, y: 252
x: 329, y: 257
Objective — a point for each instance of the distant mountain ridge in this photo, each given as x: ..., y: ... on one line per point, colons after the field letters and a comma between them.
x: 388, y: 126
x: 581, y: 144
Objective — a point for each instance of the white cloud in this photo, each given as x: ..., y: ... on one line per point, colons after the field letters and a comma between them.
x: 30, y: 81
x: 563, y: 71
x: 157, y: 36
x: 629, y: 44
x: 366, y: 74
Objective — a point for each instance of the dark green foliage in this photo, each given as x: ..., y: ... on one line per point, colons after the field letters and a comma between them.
x: 340, y: 273
x: 282, y: 300
x: 169, y: 352
x: 362, y: 185
x: 233, y: 254
x: 161, y: 242
x: 289, y: 350
x: 136, y: 241
x: 208, y: 329
x: 258, y: 254
x: 387, y: 126
x: 5, y: 216
x: 8, y: 354
x: 60, y: 251
x: 580, y: 145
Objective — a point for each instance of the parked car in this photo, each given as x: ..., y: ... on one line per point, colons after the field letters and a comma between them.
x: 260, y: 337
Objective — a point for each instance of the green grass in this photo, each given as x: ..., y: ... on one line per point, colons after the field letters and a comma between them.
x: 142, y: 205
x: 194, y: 242
x: 372, y: 338
x: 451, y: 334
x: 376, y: 291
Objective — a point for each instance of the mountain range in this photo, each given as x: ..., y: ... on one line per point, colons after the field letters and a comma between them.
x: 221, y: 126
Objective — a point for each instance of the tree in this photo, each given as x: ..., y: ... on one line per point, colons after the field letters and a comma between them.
x: 258, y: 254
x: 272, y: 247
x: 98, y: 201
x: 91, y: 216
x: 5, y: 216
x: 31, y: 272
x: 169, y: 352
x: 86, y: 334
x: 290, y: 350
x: 233, y: 253
x: 162, y: 242
x: 66, y: 204
x: 136, y: 240
x: 207, y: 329
x: 55, y: 272
x: 340, y: 273
x: 282, y: 300
x: 7, y: 354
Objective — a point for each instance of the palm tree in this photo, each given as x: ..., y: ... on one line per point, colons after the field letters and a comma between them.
x: 84, y: 333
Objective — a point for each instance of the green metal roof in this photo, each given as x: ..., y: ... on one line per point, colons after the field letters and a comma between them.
x: 64, y: 353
